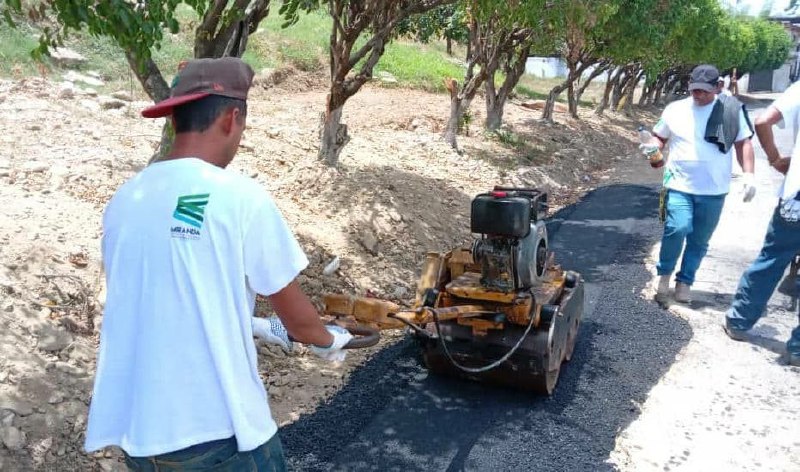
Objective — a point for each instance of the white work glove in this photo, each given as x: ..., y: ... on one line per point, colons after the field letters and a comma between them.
x: 648, y: 149
x: 748, y: 187
x: 790, y: 210
x: 271, y: 330
x: 334, y: 352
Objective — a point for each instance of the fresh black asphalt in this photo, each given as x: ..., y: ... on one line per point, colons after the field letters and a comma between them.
x: 392, y: 416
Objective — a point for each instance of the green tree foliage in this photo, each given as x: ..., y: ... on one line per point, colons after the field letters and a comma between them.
x: 447, y: 22
x: 138, y: 27
x: 770, y: 45
x: 666, y: 38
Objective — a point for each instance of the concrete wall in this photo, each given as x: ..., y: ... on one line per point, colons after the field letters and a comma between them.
x: 553, y: 67
x: 546, y: 67
x: 780, y: 78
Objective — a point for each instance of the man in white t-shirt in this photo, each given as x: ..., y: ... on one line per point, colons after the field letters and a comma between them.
x: 782, y: 241
x: 697, y: 178
x: 186, y: 246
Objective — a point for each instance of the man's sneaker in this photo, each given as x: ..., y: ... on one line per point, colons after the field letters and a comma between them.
x: 682, y: 294
x: 735, y: 334
x: 662, y: 289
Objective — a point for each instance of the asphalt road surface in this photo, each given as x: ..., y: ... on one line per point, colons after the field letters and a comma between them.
x: 392, y: 415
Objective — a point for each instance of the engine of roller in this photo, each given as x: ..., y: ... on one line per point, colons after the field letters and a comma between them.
x: 512, y: 250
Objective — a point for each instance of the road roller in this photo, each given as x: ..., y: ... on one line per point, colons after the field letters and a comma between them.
x: 498, y: 309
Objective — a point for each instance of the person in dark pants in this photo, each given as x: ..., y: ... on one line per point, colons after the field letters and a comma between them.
x: 187, y: 245
x: 782, y: 241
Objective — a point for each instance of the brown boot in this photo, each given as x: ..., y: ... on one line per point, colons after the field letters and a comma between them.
x: 682, y: 293
x: 662, y: 289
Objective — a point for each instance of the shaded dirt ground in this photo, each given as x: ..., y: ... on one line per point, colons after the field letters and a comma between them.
x: 398, y: 192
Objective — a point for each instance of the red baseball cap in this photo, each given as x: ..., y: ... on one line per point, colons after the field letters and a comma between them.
x: 199, y: 78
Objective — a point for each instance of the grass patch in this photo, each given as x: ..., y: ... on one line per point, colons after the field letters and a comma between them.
x: 16, y: 45
x: 419, y: 66
x: 528, y: 92
x: 303, y: 45
x: 536, y: 88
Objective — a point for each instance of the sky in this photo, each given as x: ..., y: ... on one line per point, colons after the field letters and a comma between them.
x: 754, y: 7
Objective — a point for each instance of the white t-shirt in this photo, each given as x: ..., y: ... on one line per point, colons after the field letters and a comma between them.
x: 694, y: 165
x: 789, y: 106
x: 186, y: 247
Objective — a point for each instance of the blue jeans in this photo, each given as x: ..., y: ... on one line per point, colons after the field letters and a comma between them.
x: 690, y: 218
x: 219, y: 456
x: 760, y: 279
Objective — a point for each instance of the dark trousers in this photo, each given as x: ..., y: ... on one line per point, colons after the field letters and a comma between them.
x: 221, y: 455
x: 761, y: 278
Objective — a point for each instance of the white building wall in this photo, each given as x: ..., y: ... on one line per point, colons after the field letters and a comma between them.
x: 546, y: 67
x: 780, y: 78
x: 553, y: 67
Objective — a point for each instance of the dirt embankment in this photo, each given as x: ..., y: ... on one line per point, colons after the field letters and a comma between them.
x: 398, y: 192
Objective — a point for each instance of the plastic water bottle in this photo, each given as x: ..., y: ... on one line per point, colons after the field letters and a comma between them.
x: 647, y: 138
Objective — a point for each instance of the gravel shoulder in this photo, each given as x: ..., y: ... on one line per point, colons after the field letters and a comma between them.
x: 724, y: 405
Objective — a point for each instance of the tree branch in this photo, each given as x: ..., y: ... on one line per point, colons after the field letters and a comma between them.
x: 205, y: 32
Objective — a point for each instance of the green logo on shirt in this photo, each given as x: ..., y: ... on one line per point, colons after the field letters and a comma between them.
x: 190, y: 209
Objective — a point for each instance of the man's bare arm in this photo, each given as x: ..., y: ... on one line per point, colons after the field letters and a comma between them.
x: 764, y: 124
x: 299, y: 316
x: 745, y: 155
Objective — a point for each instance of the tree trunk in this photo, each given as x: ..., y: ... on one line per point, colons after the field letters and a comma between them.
x: 572, y: 100
x: 451, y: 130
x: 600, y: 69
x: 494, y: 106
x: 333, y: 134
x: 646, y: 92
x: 654, y: 89
x: 494, y: 117
x: 449, y: 43
x: 211, y: 40
x: 222, y: 33
x: 149, y: 75
x: 460, y: 101
x: 458, y: 106
x: 619, y: 89
x: 572, y: 103
x: 575, y: 71
x: 630, y: 91
x: 613, y: 77
x: 461, y: 97
x: 513, y: 67
x: 651, y: 90
x: 662, y: 82
x: 657, y: 96
x: 673, y: 84
x: 333, y: 137
x: 547, y: 112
